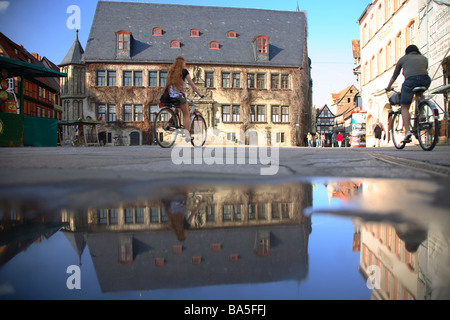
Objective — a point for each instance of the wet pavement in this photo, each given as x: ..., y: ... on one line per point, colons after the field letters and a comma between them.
x: 131, y: 223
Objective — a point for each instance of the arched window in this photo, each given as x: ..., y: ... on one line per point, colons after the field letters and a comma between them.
x: 195, y: 33
x: 175, y: 44
x: 232, y: 34
x: 157, y: 31
x: 214, y: 45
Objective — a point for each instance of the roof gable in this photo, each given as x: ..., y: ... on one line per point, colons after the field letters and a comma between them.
x: 325, y: 112
x: 287, y: 32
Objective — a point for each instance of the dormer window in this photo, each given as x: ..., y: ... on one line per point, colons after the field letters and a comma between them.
x: 232, y: 34
x: 262, y: 44
x: 195, y: 33
x: 157, y: 31
x: 175, y: 44
x: 261, y: 48
x: 214, y: 45
x: 123, y: 40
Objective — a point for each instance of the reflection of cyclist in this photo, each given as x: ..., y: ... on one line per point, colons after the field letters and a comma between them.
x: 179, y: 214
x: 175, y: 86
x: 415, y: 70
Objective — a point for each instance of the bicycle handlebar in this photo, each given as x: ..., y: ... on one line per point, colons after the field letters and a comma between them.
x: 193, y: 101
x: 392, y: 89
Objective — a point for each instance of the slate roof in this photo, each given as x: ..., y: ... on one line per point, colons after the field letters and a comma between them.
x: 287, y: 260
x: 75, y: 54
x: 286, y: 30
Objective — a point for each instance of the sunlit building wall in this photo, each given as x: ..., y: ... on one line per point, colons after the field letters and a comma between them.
x: 387, y: 27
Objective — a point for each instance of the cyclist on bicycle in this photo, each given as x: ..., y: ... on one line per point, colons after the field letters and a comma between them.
x: 415, y: 71
x: 175, y: 86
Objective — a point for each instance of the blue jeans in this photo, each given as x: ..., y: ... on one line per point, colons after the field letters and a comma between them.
x: 411, y: 83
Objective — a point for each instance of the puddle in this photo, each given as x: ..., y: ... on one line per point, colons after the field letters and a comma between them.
x: 319, y: 239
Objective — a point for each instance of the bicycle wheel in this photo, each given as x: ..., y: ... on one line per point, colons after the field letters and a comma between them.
x: 397, y: 131
x: 164, y: 127
x: 427, y: 126
x: 198, y: 130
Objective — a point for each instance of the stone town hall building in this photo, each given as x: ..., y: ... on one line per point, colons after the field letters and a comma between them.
x: 251, y: 64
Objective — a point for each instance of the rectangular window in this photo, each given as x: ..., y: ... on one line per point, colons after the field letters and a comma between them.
x: 262, y: 45
x: 236, y: 114
x: 251, y: 80
x: 129, y: 216
x: 127, y: 78
x: 162, y: 78
x: 284, y: 81
x: 275, y: 114
x: 280, y: 137
x: 112, y: 112
x: 101, y: 78
x: 210, y: 215
x: 153, y: 111
x: 153, y: 79
x: 261, y: 209
x: 227, y: 213
x: 111, y: 78
x: 113, y: 217
x: 138, y: 78
x: 138, y: 113
x: 225, y: 80
x: 237, y: 212
x: 261, y: 81
x: 251, y: 211
x: 123, y: 41
x: 284, y: 114
x: 154, y: 215
x: 261, y: 113
x: 127, y: 112
x: 275, y: 81
x: 209, y: 79
x: 252, y: 114
x: 140, y: 215
x: 101, y: 111
x: 226, y: 117
x: 236, y: 80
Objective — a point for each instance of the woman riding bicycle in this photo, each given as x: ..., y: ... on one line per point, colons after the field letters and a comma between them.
x: 175, y: 86
x: 415, y: 71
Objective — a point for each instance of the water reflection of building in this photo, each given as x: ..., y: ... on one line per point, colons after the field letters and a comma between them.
x: 19, y: 230
x: 381, y: 246
x: 412, y: 262
x: 239, y: 235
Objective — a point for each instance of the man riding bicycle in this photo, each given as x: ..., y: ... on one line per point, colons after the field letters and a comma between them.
x: 415, y: 71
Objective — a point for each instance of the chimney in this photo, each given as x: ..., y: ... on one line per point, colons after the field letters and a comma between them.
x: 36, y: 56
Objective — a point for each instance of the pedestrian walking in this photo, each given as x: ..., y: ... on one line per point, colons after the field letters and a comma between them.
x: 339, y: 139
x: 378, y: 131
x: 310, y: 139
x: 101, y: 132
x: 322, y: 140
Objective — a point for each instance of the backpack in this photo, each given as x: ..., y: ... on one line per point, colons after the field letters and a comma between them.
x: 165, y: 98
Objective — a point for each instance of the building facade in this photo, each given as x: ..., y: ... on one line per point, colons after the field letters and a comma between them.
x: 387, y: 28
x: 253, y: 70
x: 41, y: 95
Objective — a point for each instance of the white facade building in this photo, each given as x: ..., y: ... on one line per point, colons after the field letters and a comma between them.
x: 387, y: 27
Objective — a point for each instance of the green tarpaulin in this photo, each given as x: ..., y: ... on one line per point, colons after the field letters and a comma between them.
x: 40, y: 132
x: 11, y: 129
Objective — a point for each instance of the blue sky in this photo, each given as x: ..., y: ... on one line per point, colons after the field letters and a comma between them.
x: 41, y: 26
